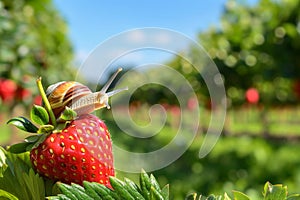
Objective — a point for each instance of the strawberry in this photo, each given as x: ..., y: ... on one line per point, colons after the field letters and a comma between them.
x: 8, y: 90
x: 70, y: 144
x: 81, y: 151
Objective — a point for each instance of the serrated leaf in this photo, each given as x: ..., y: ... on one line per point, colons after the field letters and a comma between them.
x: 19, y: 176
x: 239, y: 196
x: 7, y: 195
x: 68, y: 114
x: 23, y: 124
x: 39, y: 115
x: 34, y: 184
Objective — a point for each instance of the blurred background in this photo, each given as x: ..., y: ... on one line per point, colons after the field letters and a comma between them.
x: 255, y: 45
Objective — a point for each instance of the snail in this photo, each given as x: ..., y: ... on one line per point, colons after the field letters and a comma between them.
x: 79, y: 97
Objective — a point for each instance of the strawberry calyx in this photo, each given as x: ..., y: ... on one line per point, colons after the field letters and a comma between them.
x: 38, y: 133
x: 45, y: 120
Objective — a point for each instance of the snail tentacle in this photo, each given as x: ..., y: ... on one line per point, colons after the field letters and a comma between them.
x: 79, y: 97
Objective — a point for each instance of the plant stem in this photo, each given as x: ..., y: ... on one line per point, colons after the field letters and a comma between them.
x: 46, y: 102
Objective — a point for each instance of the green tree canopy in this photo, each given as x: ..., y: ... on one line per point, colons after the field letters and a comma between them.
x: 33, y: 42
x: 254, y: 46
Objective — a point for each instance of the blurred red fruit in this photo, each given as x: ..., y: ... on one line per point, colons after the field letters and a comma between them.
x: 175, y: 110
x: 22, y: 93
x: 37, y: 100
x: 297, y: 88
x: 252, y: 95
x: 7, y: 89
x: 192, y: 103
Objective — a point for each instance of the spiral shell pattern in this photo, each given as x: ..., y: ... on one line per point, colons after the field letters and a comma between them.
x: 64, y: 93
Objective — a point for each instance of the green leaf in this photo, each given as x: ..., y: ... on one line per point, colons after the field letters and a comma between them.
x: 104, y: 192
x: 165, y: 191
x: 78, y: 192
x: 34, y: 184
x: 145, y: 184
x: 20, y: 180
x: 66, y: 190
x: 294, y: 197
x: 154, y: 183
x: 272, y: 192
x: 68, y: 114
x: 7, y: 195
x: 32, y: 138
x: 192, y: 196
x: 226, y: 197
x: 30, y: 143
x: 240, y: 196
x: 47, y: 128
x: 155, y: 195
x: 90, y: 190
x: 19, y: 147
x: 50, y: 187
x: 41, y: 139
x: 39, y: 115
x: 23, y: 124
x: 59, y: 197
x: 133, y: 189
x: 211, y: 197
x: 119, y: 188
x: 3, y: 164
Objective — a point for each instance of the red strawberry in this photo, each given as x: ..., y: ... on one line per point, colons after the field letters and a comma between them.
x: 81, y: 151
x: 7, y: 90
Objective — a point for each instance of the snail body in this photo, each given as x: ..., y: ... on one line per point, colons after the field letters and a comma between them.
x: 79, y: 97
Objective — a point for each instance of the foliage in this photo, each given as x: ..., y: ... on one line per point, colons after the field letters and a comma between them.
x: 271, y: 192
x: 237, y: 162
x: 254, y: 47
x: 33, y: 43
x: 19, y: 181
x: 127, y: 189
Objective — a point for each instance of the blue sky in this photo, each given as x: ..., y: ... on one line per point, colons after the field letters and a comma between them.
x: 92, y: 22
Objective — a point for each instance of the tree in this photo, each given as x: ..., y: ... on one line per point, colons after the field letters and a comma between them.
x: 256, y: 47
x: 34, y: 42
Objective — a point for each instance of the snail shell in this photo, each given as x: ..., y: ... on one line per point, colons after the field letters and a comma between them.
x: 79, y: 97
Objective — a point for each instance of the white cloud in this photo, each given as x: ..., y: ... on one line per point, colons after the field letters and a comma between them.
x: 136, y: 36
